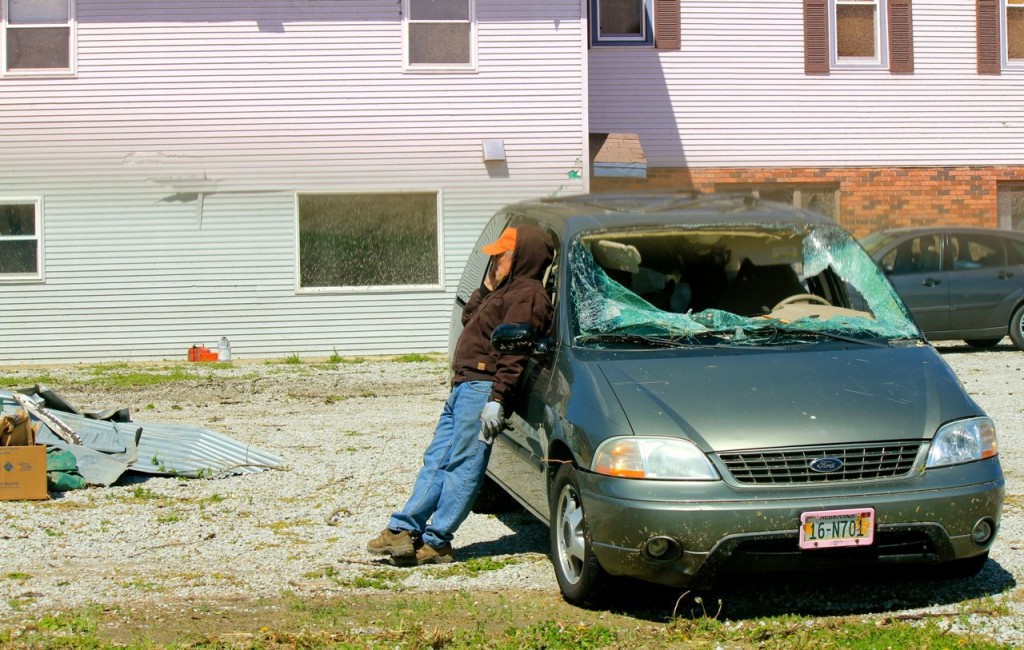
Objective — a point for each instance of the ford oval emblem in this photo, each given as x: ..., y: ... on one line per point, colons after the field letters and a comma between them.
x: 825, y: 465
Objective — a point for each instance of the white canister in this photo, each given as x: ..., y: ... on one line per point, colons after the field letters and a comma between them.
x: 224, y: 349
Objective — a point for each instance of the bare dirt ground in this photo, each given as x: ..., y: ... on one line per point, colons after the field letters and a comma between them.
x: 179, y: 554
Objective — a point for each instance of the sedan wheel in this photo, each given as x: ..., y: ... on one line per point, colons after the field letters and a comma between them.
x: 982, y: 344
x: 580, y: 576
x: 1017, y: 327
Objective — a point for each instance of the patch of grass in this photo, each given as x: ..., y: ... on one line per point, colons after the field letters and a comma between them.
x: 383, y: 616
x: 123, y: 375
x: 28, y: 380
x: 381, y: 579
x: 555, y: 635
x: 140, y: 584
x: 336, y: 358
x: 413, y: 357
x: 292, y: 359
x: 144, y: 494
x: 18, y: 575
x: 169, y: 517
x: 473, y: 567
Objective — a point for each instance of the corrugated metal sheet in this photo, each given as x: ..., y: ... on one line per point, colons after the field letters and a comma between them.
x: 162, y: 448
x: 252, y: 103
x: 736, y: 95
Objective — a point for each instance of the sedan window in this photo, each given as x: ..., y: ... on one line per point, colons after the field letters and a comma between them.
x: 976, y: 251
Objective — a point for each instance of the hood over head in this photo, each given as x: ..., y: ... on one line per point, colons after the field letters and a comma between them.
x: 533, y: 252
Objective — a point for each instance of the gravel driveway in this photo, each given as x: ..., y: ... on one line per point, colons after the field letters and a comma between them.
x: 351, y: 436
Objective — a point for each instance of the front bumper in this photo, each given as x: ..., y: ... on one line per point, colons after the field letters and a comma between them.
x: 723, y: 528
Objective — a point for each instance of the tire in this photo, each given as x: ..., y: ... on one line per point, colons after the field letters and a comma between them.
x: 968, y: 567
x: 580, y: 577
x: 1017, y: 327
x: 982, y: 344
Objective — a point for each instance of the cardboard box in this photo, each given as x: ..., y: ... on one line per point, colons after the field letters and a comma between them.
x: 23, y: 473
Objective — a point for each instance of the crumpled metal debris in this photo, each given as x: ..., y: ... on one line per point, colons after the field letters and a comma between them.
x: 110, y: 443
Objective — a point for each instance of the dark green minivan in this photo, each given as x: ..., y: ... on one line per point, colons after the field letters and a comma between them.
x: 729, y: 386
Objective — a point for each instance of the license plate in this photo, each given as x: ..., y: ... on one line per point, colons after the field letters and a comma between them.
x: 831, y: 528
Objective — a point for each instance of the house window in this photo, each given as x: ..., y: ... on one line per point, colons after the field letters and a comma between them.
x: 636, y: 22
x: 1011, y: 206
x: 19, y: 239
x: 38, y: 36
x: 621, y: 22
x: 1014, y: 32
x: 368, y: 240
x: 819, y: 198
x: 858, y: 34
x: 440, y: 34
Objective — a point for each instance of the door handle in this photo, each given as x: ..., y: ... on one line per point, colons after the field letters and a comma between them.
x: 1004, y: 275
x: 930, y: 282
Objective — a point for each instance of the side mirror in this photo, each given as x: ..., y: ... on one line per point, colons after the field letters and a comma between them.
x: 517, y: 338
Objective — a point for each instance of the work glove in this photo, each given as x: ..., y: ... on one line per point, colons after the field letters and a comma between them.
x: 491, y: 421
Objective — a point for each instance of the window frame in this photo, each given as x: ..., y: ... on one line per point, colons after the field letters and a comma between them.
x: 1004, y: 37
x: 881, y: 34
x: 39, y: 275
x: 72, y: 25
x: 372, y: 288
x: 755, y: 189
x: 597, y: 40
x: 409, y: 66
x: 1005, y: 192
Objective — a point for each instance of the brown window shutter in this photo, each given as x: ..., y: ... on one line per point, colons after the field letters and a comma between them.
x: 901, y: 37
x: 989, y: 58
x: 667, y: 25
x: 816, y: 36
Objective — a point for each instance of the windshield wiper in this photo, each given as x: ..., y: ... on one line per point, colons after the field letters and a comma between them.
x: 638, y: 339
x: 805, y: 334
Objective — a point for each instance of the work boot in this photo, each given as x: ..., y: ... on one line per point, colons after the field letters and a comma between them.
x: 428, y: 554
x: 396, y: 543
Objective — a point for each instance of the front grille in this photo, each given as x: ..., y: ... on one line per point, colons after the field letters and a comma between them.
x: 785, y: 466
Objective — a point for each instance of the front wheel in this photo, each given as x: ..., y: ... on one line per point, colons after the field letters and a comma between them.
x: 580, y: 576
x: 963, y: 568
x: 1017, y: 327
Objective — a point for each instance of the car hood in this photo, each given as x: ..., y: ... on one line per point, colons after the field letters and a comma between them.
x: 779, y: 398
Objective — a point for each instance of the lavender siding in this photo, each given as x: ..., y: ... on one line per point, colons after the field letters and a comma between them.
x: 736, y: 95
x: 169, y: 166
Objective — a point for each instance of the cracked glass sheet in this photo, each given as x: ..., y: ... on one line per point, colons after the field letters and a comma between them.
x: 604, y: 306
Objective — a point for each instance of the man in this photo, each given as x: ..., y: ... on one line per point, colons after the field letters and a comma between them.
x: 483, y: 383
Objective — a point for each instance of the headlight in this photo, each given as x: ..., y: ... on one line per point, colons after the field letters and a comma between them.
x: 653, y: 458
x: 963, y: 441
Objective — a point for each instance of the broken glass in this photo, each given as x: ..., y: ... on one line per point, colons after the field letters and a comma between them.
x: 838, y: 291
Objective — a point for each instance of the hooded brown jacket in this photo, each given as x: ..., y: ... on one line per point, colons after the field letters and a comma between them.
x: 520, y: 298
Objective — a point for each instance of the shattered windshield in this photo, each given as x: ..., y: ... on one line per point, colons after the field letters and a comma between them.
x: 736, y: 285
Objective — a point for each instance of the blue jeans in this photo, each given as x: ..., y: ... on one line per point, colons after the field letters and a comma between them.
x: 453, y: 469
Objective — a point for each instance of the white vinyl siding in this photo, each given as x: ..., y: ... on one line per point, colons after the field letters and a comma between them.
x: 715, y: 103
x: 169, y: 169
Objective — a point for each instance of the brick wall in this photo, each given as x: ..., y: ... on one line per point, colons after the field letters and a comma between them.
x: 870, y: 198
